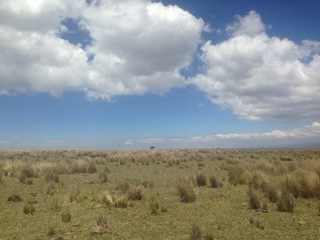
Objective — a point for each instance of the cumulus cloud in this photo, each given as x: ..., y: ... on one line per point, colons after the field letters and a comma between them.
x: 138, y: 46
x: 262, y: 77
x: 310, y: 132
x: 250, y: 24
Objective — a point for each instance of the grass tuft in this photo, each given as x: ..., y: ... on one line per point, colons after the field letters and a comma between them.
x: 254, y: 198
x: 196, y: 233
x: 14, y: 198
x: 186, y: 190
x: 201, y: 180
x: 29, y: 209
x: 214, y: 183
x: 66, y: 216
x: 135, y: 194
x: 26, y: 172
x: 285, y: 202
x: 107, y: 199
x: 100, y: 227
x: 121, y: 203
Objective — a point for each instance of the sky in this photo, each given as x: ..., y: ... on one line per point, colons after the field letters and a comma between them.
x: 130, y: 74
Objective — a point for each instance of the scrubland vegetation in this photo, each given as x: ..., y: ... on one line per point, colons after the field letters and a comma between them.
x: 160, y: 194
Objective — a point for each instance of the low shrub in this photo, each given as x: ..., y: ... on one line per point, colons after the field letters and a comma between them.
x: 186, y: 190
x: 135, y: 194
x: 14, y: 198
x: 254, y: 198
x: 285, y: 202
x: 100, y: 227
x: 29, y: 209
x: 237, y: 175
x: 201, y: 180
x: 106, y: 199
x: 154, y: 207
x: 121, y: 203
x: 26, y: 171
x: 214, y: 183
x: 270, y: 190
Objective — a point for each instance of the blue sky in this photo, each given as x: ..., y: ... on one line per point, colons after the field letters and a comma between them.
x: 174, y: 74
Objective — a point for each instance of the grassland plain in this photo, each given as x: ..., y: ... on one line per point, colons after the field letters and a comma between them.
x: 160, y: 194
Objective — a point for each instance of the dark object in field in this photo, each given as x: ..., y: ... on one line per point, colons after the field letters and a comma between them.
x: 152, y: 147
x: 14, y: 198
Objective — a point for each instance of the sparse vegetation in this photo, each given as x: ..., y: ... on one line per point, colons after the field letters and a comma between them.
x: 281, y: 185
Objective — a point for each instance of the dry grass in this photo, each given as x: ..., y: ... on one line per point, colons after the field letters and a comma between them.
x: 201, y: 180
x: 14, y: 198
x: 254, y: 198
x: 66, y: 216
x: 106, y: 183
x: 196, y: 233
x: 26, y: 171
x: 135, y: 193
x: 186, y: 190
x: 123, y: 187
x: 29, y: 209
x: 103, y: 177
x: 121, y: 202
x: 100, y: 227
x: 285, y: 202
x: 214, y: 183
x: 237, y: 175
x: 107, y: 199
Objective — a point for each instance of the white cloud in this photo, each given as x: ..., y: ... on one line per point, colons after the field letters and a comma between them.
x: 250, y: 24
x: 38, y: 15
x: 41, y: 63
x: 296, y: 136
x: 262, y: 77
x: 138, y: 46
